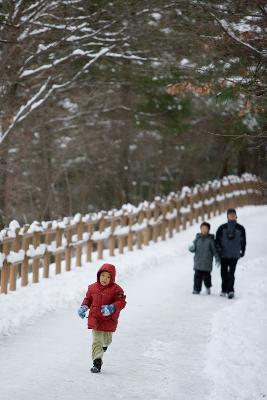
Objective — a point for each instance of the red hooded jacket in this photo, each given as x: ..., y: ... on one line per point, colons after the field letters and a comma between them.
x: 98, y: 295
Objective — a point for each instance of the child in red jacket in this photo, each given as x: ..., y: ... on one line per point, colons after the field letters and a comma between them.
x: 105, y: 299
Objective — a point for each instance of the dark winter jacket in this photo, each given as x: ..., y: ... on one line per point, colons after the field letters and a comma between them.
x: 231, y: 240
x: 98, y: 295
x: 204, y: 248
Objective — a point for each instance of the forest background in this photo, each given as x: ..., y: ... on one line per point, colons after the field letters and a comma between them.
x: 104, y: 103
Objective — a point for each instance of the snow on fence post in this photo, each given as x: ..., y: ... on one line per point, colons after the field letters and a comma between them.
x: 25, y: 263
x: 100, y: 243
x: 89, y: 244
x: 47, y: 255
x: 58, y: 252
x: 14, y: 267
x: 36, y: 259
x: 78, y: 246
x: 112, y: 236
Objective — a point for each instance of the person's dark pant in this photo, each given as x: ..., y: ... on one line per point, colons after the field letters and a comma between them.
x: 228, y: 266
x: 199, y: 277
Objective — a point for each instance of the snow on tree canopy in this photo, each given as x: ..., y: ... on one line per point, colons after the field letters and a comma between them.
x: 156, y: 16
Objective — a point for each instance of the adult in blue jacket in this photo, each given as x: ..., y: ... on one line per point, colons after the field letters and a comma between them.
x: 231, y: 245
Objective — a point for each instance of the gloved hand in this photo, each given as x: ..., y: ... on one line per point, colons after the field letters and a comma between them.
x: 192, y: 247
x: 242, y: 253
x: 107, y: 309
x: 82, y: 311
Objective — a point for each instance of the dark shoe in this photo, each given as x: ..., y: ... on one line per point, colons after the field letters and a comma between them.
x: 97, y: 365
x: 208, y: 291
x: 231, y: 295
x: 195, y: 292
x: 105, y: 348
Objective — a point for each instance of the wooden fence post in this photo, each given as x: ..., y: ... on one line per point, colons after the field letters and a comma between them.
x: 130, y: 234
x: 5, y: 269
x: 164, y: 222
x: 58, y: 254
x: 68, y: 248
x: 112, y: 237
x: 47, y: 255
x: 142, y: 234
x: 25, y: 262
x: 154, y: 223
x: 191, y: 213
x: 170, y: 220
x: 36, y: 259
x: 178, y: 214
x: 79, y: 247
x: 121, y: 239
x: 14, y: 268
x: 100, y: 243
x: 89, y: 246
x: 146, y: 233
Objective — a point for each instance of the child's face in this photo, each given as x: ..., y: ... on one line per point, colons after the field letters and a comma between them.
x: 204, y: 230
x: 104, y: 278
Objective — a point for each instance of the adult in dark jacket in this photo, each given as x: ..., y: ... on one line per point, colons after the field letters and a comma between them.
x: 204, y: 248
x: 231, y: 245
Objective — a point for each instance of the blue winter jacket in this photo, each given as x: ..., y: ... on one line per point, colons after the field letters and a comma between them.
x: 231, y: 240
x: 204, y: 248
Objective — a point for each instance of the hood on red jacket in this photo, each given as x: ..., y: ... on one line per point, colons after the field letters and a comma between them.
x: 109, y: 268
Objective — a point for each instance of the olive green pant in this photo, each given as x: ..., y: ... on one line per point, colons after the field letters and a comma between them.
x: 100, y: 339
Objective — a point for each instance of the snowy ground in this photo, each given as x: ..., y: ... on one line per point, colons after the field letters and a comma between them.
x: 169, y: 345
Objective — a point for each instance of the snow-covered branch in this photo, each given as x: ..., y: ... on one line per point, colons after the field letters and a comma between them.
x: 226, y: 26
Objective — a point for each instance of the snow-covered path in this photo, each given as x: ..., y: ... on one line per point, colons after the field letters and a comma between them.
x: 169, y: 345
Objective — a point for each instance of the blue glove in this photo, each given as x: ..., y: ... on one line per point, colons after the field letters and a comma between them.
x: 82, y: 311
x: 107, y: 309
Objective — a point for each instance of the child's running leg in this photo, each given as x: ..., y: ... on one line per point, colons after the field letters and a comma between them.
x: 107, y: 339
x: 98, y: 343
